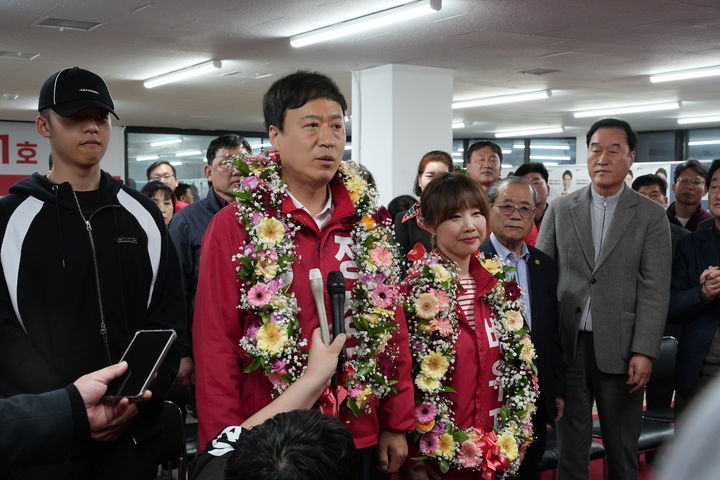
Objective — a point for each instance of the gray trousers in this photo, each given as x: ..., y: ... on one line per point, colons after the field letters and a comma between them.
x: 620, y: 418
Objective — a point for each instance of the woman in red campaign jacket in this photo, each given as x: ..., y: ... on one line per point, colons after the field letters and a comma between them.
x: 226, y: 395
x: 473, y: 399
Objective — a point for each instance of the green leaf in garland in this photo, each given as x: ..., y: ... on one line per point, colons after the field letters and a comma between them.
x: 444, y: 465
x: 446, y: 388
x: 420, y: 459
x: 460, y: 436
x: 242, y: 167
x: 353, y: 406
x: 256, y: 363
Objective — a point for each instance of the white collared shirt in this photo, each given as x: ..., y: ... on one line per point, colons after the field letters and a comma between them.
x: 519, y: 262
x: 322, y: 218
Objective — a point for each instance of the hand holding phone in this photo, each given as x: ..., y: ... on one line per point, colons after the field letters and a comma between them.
x: 144, y: 355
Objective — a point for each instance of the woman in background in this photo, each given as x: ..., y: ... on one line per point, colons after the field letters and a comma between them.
x: 163, y: 196
x: 407, y: 230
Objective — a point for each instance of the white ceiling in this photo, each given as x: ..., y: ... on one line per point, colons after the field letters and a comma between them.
x: 603, y: 51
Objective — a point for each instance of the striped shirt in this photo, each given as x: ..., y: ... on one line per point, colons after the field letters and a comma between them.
x: 466, y: 299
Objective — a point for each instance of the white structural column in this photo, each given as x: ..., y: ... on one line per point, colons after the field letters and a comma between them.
x: 399, y: 113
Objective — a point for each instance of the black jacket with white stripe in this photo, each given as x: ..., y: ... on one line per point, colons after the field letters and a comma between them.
x: 81, y: 272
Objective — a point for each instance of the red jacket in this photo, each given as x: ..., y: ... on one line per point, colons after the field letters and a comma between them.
x: 473, y: 369
x: 225, y: 395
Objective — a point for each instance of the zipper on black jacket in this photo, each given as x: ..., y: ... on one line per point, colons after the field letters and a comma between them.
x: 96, y: 269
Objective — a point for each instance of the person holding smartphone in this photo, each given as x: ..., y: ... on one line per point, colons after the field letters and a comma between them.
x: 86, y: 262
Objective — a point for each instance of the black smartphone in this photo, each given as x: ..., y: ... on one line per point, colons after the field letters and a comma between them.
x: 144, y: 355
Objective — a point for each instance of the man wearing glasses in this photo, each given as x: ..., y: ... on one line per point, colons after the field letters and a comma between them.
x: 165, y: 172
x: 513, y: 203
x: 689, y: 188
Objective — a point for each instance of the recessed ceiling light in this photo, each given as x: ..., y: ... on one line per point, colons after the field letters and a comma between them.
x: 501, y: 99
x: 705, y: 119
x: 19, y: 55
x: 528, y: 132
x: 712, y: 71
x: 66, y: 24
x: 169, y: 141
x: 624, y: 109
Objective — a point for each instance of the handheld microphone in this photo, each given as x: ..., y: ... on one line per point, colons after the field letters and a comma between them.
x: 336, y: 290
x: 316, y: 285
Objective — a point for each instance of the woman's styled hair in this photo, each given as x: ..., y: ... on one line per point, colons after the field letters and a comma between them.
x: 446, y: 195
x: 433, y: 156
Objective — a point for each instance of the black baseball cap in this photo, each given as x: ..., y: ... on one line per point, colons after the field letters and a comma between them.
x: 73, y: 89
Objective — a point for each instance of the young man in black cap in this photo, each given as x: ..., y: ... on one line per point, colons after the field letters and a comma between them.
x: 85, y: 262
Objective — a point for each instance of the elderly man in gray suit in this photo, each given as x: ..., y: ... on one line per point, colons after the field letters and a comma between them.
x: 612, y: 247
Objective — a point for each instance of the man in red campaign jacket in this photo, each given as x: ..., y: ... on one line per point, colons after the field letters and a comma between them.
x: 304, y: 114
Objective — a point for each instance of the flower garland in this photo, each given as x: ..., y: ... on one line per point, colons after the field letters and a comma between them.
x: 432, y: 307
x: 274, y: 339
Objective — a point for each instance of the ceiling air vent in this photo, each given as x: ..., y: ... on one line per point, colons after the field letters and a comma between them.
x: 19, y: 55
x: 64, y: 24
x: 539, y: 71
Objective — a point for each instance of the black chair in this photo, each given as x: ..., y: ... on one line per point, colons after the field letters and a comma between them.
x: 653, y: 434
x: 551, y: 455
x: 662, y: 383
x: 174, y: 453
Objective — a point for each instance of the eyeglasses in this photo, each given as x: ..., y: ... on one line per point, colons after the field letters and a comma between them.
x: 691, y: 181
x: 508, y: 210
x: 167, y: 176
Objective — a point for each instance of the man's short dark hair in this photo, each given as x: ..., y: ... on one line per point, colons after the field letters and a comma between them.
x: 157, y: 164
x: 568, y: 173
x: 483, y: 143
x: 650, y: 179
x: 297, y: 445
x: 614, y: 123
x: 294, y: 91
x: 533, y: 167
x: 226, y: 141
x: 182, y: 189
x: 714, y: 166
x: 691, y: 164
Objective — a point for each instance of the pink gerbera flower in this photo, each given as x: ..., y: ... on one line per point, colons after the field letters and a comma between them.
x: 442, y: 326
x: 259, y: 295
x: 425, y: 412
x: 470, y: 455
x: 429, y: 443
x: 442, y: 297
x: 381, y: 256
x: 383, y: 296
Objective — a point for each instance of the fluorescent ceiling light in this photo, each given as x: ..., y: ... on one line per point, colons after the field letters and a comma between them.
x: 500, y: 99
x: 160, y: 143
x: 506, y: 152
x: 686, y: 74
x: 698, y: 143
x: 367, y: 22
x: 176, y: 163
x: 456, y: 154
x: 260, y: 145
x: 458, y: 125
x: 348, y: 147
x: 549, y: 157
x: 142, y: 158
x: 188, y: 153
x: 550, y: 164
x: 183, y: 73
x: 651, y: 107
x: 688, y: 120
x: 549, y: 147
x: 528, y: 132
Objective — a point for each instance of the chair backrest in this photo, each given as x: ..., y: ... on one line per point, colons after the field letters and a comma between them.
x: 663, y: 371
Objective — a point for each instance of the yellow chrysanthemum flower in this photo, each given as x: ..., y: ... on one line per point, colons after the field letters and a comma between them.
x: 354, y: 196
x: 368, y: 223
x: 447, y: 446
x: 434, y: 365
x: 355, y: 184
x: 270, y: 231
x: 528, y: 350
x: 364, y: 397
x: 441, y: 274
x: 513, y: 320
x: 507, y: 445
x: 267, y: 269
x: 271, y: 338
x: 492, y: 266
x: 427, y: 384
x: 427, y: 306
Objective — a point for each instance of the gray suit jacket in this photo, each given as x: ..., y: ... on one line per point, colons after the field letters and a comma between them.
x: 629, y: 284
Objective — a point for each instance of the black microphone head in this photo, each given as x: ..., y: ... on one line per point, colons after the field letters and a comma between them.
x: 335, y: 282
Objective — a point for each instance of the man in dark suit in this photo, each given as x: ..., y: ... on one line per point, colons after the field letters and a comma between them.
x: 612, y: 297
x: 694, y: 302
x: 513, y: 203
